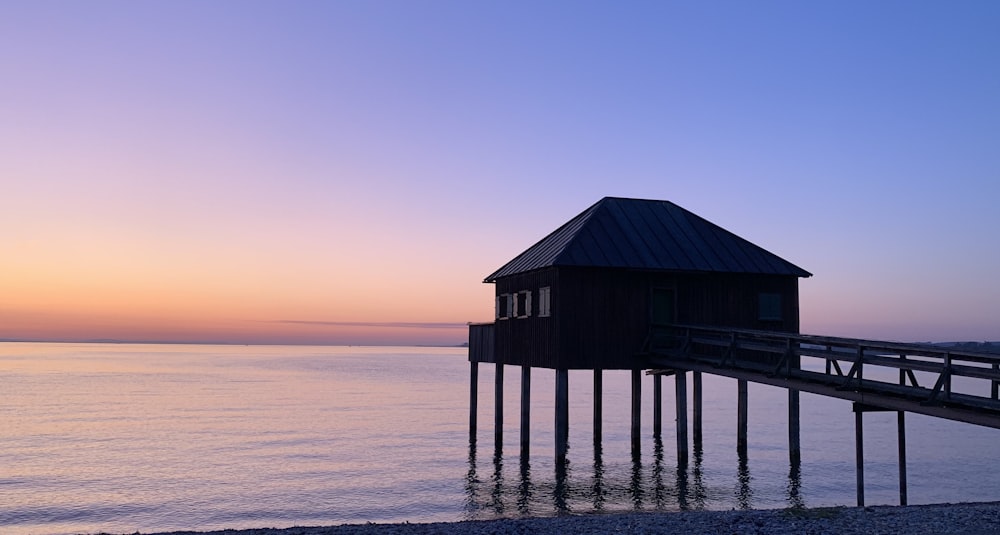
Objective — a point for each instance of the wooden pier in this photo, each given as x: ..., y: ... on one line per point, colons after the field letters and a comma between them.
x: 874, y: 375
x: 880, y: 376
x: 647, y: 286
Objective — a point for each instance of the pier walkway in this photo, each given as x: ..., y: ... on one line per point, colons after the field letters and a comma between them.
x: 945, y: 382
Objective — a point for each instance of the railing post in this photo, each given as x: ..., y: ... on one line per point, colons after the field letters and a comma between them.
x: 947, y: 378
x: 995, y: 390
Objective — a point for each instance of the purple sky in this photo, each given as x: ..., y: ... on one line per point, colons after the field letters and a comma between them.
x: 348, y: 172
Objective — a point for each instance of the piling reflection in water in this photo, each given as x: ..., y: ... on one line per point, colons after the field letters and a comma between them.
x: 744, y: 492
x: 794, y: 485
x: 524, y: 494
x: 645, y: 483
x: 597, y: 486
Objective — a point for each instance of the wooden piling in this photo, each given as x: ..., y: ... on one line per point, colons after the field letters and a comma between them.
x: 901, y: 442
x: 794, y: 440
x: 741, y: 416
x: 498, y: 409
x: 682, y: 422
x: 696, y: 386
x: 473, y: 399
x: 901, y: 438
x: 859, y: 453
x: 598, y: 407
x: 636, y: 409
x: 525, y: 411
x: 562, y: 415
x: 657, y: 405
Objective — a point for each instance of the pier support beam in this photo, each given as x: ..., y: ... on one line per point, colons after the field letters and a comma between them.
x: 473, y: 399
x: 794, y: 441
x: 682, y: 421
x: 696, y: 386
x: 901, y: 441
x: 498, y: 409
x: 636, y: 409
x: 741, y: 416
x: 562, y: 416
x: 657, y: 405
x: 598, y: 407
x: 525, y: 411
x: 859, y: 452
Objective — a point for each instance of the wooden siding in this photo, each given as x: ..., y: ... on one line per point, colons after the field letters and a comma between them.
x: 481, y: 341
x: 531, y: 340
x: 601, y: 317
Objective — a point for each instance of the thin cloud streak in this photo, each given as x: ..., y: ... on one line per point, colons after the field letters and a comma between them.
x: 377, y: 324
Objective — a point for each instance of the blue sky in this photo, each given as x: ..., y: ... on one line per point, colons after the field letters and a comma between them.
x: 177, y: 169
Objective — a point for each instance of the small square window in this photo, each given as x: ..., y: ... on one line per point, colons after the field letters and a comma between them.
x: 769, y: 307
x: 522, y: 304
x: 544, y: 302
x: 504, y: 306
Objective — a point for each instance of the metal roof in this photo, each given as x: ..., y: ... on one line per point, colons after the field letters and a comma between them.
x: 646, y: 234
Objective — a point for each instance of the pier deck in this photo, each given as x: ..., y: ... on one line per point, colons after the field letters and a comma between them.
x: 921, y: 378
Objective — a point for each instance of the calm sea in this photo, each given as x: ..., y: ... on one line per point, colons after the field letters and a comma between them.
x: 119, y: 438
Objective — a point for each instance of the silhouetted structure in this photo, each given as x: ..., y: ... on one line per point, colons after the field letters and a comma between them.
x: 585, y: 296
x: 645, y: 285
x: 592, y: 294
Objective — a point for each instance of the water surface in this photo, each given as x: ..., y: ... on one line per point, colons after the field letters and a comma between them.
x: 119, y: 438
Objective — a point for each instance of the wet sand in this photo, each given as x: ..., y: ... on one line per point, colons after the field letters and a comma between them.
x: 966, y: 519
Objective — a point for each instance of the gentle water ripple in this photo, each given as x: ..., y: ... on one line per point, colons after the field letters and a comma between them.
x: 125, y: 438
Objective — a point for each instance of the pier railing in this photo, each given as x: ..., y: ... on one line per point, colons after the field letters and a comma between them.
x: 940, y: 381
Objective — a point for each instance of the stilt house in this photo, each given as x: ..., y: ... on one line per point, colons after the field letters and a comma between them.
x: 587, y: 295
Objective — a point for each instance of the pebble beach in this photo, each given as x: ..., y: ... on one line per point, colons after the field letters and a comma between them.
x: 965, y: 518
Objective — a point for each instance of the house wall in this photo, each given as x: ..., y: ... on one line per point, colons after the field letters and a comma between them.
x: 532, y: 340
x: 600, y: 318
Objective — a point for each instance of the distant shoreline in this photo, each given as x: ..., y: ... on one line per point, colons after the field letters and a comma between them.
x: 209, y: 343
x: 963, y: 518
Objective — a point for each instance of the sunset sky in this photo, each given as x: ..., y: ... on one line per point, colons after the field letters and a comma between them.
x: 349, y: 171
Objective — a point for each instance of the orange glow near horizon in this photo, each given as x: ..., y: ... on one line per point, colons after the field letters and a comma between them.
x: 347, y: 178
x: 114, y: 291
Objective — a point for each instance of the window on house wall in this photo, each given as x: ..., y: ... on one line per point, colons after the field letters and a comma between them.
x: 522, y: 304
x: 504, y: 306
x: 544, y: 302
x: 769, y: 307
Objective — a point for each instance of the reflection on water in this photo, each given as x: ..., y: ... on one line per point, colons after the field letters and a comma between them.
x: 698, y: 495
x: 524, y: 496
x: 120, y: 438
x: 794, y: 484
x: 744, y: 493
x: 657, y: 484
x: 597, y: 486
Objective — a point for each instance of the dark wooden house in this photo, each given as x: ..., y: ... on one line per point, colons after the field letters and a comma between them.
x: 587, y: 295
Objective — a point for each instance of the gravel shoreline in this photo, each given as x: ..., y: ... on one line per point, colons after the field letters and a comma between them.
x: 964, y: 519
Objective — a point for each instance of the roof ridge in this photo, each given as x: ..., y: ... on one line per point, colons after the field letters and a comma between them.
x: 648, y: 234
